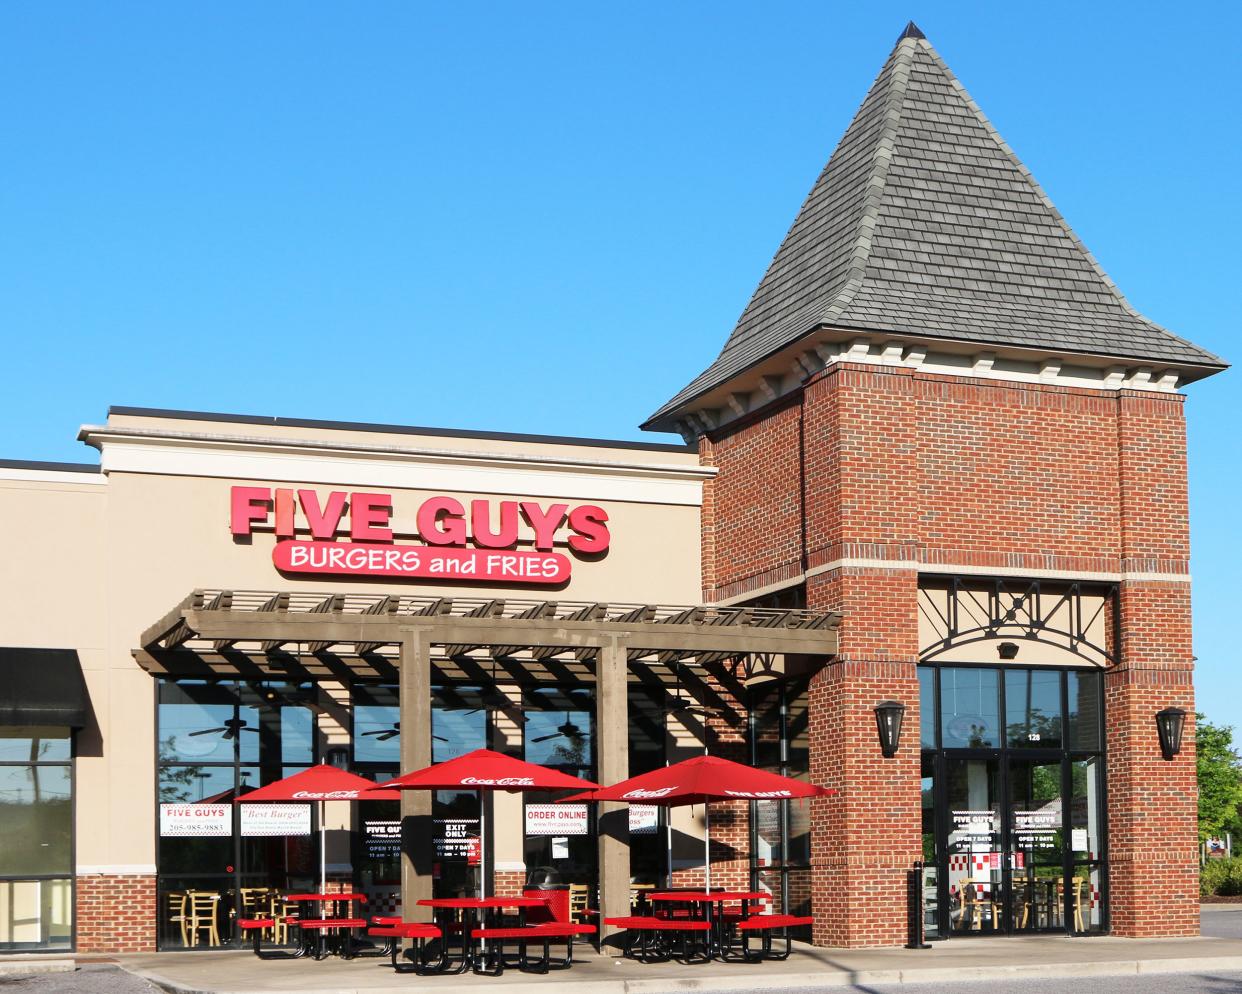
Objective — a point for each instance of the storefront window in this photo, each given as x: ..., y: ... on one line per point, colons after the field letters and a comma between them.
x: 648, y: 751
x: 1086, y: 709
x: 218, y: 740
x: 559, y: 732
x: 36, y: 826
x: 1033, y: 708
x: 781, y: 830
x: 1013, y: 823
x: 927, y: 707
x: 969, y: 708
x: 459, y: 724
x: 377, y: 728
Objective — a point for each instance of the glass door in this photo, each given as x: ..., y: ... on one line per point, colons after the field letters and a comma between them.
x: 972, y: 868
x: 1035, y: 844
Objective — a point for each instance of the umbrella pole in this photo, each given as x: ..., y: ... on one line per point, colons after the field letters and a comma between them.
x: 707, y: 844
x: 668, y: 847
x: 323, y: 848
x: 482, y: 846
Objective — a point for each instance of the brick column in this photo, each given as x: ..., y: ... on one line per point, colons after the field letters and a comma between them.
x: 861, y: 504
x: 1152, y: 802
x: 865, y: 838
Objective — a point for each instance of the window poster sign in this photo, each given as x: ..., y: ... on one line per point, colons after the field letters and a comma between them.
x: 1037, y: 829
x: 197, y: 820
x: 457, y: 838
x: 381, y: 839
x: 975, y: 827
x: 644, y: 819
x: 556, y: 819
x: 275, y: 819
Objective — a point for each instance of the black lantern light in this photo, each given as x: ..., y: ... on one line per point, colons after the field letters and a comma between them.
x: 1169, y: 725
x: 888, y: 715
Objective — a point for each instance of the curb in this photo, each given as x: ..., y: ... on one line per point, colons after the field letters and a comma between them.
x: 797, y: 981
x: 33, y: 966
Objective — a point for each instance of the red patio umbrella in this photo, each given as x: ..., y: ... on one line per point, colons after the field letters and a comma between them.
x: 320, y: 783
x: 701, y: 780
x: 484, y: 769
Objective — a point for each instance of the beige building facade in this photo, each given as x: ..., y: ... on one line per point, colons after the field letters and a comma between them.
x: 99, y: 554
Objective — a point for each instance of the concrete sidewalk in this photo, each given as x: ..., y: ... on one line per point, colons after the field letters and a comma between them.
x: 960, y: 959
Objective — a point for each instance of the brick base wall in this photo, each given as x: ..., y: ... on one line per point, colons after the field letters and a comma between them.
x: 508, y: 883
x: 116, y: 914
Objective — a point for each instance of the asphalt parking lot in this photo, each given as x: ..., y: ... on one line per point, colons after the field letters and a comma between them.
x: 90, y: 978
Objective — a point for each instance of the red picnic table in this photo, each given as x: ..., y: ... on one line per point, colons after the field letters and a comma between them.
x: 468, y: 916
x: 330, y: 920
x: 725, y: 933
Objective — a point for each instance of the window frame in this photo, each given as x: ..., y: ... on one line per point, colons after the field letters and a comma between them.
x: 70, y: 873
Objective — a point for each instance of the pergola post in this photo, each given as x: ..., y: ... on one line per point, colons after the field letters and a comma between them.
x: 417, y: 838
x: 612, y: 750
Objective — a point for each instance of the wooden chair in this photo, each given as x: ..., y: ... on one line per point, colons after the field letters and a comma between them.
x: 1080, y: 885
x: 638, y: 894
x: 253, y: 899
x: 176, y: 913
x: 256, y: 902
x: 1032, y: 890
x: 579, y: 902
x: 977, y: 895
x: 202, y: 913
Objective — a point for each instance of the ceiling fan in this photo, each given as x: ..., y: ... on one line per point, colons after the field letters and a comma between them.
x: 567, y: 730
x: 227, y: 730
x: 494, y: 700
x: 384, y: 734
x: 679, y: 705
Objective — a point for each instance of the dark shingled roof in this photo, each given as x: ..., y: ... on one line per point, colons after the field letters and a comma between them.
x: 925, y: 223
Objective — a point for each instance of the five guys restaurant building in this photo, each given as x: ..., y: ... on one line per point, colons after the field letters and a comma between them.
x: 940, y: 461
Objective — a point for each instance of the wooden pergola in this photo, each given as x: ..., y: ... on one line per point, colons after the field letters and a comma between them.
x: 304, y: 635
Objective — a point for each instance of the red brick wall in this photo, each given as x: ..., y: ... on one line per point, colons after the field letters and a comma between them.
x: 1152, y: 802
x: 890, y: 470
x: 762, y: 528
x: 508, y: 883
x: 116, y: 914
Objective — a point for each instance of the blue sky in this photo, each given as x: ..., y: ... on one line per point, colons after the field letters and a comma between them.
x: 547, y: 217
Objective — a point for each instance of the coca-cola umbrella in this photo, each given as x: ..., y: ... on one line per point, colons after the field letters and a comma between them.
x: 320, y: 783
x: 702, y: 780
x: 484, y: 769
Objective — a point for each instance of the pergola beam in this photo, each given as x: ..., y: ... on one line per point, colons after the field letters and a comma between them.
x: 280, y: 602
x: 545, y: 610
x: 332, y: 604
x: 387, y: 606
x: 457, y: 633
x: 488, y: 609
x: 360, y: 624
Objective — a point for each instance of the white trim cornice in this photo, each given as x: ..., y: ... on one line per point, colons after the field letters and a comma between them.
x: 51, y: 476
x: 784, y: 372
x: 358, y: 465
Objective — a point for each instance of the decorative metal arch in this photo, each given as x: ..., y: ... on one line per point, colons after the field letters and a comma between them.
x: 982, y: 609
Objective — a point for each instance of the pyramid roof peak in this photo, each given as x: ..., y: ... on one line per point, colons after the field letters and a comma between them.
x: 925, y: 224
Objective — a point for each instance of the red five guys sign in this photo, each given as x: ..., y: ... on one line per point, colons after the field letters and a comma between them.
x: 471, y: 544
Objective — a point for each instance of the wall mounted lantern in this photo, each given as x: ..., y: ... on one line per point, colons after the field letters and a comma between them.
x: 1169, y: 725
x: 888, y: 715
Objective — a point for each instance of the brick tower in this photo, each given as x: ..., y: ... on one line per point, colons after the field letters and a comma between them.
x: 935, y: 377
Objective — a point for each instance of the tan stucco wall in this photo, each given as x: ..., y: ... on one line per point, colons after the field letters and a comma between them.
x: 117, y: 557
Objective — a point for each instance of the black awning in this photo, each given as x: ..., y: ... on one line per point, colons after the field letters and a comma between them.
x: 42, y: 687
